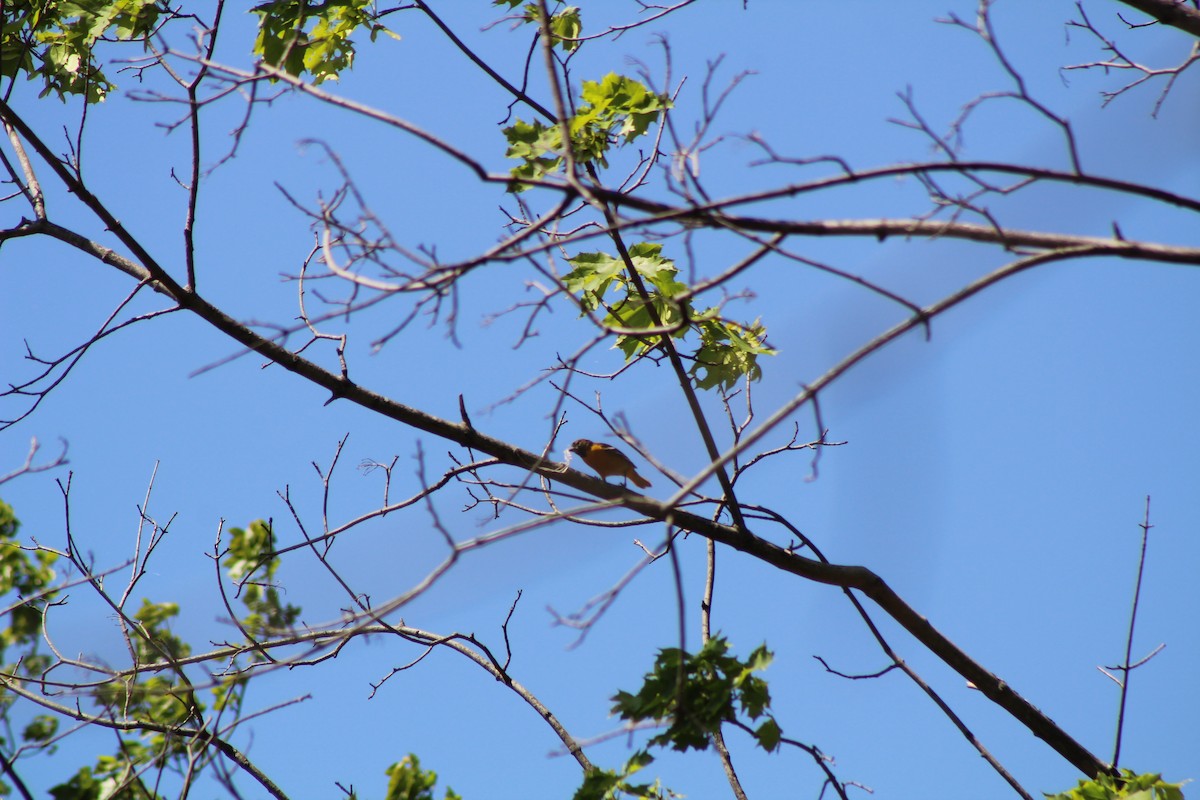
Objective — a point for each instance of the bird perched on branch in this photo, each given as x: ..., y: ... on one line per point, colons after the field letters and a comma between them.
x: 607, y: 460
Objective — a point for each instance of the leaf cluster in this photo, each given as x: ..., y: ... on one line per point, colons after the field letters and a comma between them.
x: 54, y: 40
x: 695, y: 694
x: 115, y: 777
x: 24, y: 575
x: 615, y: 110
x: 166, y: 698
x: 692, y: 696
x: 162, y: 698
x: 299, y: 37
x: 604, y: 784
x: 727, y: 352
x: 26, y: 578
x: 1128, y: 786
x: 565, y: 23
x: 407, y: 781
x: 251, y: 562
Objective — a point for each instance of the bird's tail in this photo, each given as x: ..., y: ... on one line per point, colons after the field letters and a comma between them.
x: 638, y: 480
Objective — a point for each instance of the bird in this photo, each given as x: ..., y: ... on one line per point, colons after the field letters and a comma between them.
x: 607, y: 460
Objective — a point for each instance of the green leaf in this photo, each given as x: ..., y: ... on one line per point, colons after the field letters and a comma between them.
x: 9, y: 524
x: 229, y: 693
x: 251, y: 549
x: 155, y: 615
x: 159, y: 642
x: 407, y: 781
x: 648, y: 260
x: 760, y: 658
x: 81, y: 786
x: 40, y: 729
x: 598, y: 784
x: 594, y: 274
x: 23, y: 574
x: 591, y: 276
x: 539, y: 146
x: 251, y: 562
x: 1129, y: 786
x: 768, y: 735
x: 565, y: 26
x: 754, y: 696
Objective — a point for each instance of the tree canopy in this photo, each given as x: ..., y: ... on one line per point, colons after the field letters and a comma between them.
x: 893, y: 306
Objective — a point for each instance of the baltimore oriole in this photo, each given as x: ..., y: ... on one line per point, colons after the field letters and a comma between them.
x: 607, y: 460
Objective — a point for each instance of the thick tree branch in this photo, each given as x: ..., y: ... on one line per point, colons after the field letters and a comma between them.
x: 1176, y: 13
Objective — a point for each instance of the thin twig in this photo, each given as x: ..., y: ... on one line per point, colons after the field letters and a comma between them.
x: 1126, y: 667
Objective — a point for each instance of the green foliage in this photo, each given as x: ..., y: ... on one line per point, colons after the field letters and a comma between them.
x: 617, y: 109
x: 599, y: 784
x: 55, y: 40
x: 251, y: 561
x: 113, y: 777
x: 40, y: 729
x: 83, y: 785
x: 1129, y: 786
x: 300, y: 37
x: 728, y: 351
x: 407, y: 781
x: 159, y: 643
x: 694, y: 694
x: 565, y: 25
x: 23, y: 574
x: 9, y: 524
x: 229, y: 693
x: 619, y: 105
x: 164, y: 698
x: 536, y: 144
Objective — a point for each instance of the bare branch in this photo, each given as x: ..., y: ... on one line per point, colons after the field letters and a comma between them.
x: 1127, y: 666
x: 30, y: 468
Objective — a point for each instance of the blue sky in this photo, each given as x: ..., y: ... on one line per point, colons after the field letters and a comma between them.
x: 995, y: 475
